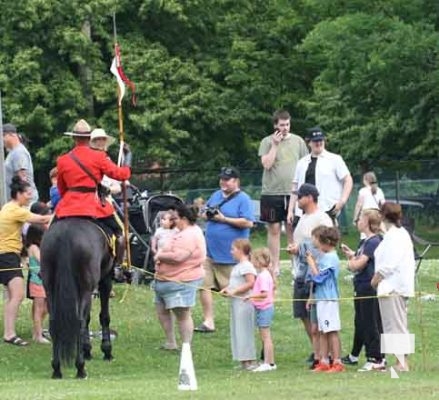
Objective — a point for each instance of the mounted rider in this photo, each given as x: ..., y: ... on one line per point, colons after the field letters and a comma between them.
x: 79, y: 175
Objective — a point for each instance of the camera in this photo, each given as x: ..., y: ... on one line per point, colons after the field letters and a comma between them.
x: 211, y: 212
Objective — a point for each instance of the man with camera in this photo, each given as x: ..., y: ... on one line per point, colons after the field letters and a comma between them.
x: 229, y: 215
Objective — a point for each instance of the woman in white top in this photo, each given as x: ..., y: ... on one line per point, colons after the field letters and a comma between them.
x: 369, y: 196
x: 394, y: 277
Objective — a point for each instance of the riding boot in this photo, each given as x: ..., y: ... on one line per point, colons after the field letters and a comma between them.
x: 121, y: 274
x: 120, y: 249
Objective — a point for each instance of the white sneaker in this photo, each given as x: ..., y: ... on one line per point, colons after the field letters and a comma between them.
x: 265, y: 367
x: 373, y: 366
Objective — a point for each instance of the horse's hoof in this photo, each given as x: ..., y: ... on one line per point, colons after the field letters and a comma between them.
x: 56, y: 375
x: 108, y: 358
x: 87, y: 356
x: 81, y: 375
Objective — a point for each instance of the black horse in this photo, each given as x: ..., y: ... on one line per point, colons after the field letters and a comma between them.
x: 75, y: 260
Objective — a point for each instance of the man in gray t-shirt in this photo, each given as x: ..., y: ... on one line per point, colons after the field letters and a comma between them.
x: 18, y: 161
x: 279, y: 153
x: 312, y: 217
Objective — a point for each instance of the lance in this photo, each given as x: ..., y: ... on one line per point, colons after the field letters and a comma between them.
x: 117, y: 71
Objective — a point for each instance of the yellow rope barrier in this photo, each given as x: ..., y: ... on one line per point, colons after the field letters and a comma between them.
x: 277, y: 300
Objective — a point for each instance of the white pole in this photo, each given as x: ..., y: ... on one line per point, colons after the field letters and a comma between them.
x: 2, y: 159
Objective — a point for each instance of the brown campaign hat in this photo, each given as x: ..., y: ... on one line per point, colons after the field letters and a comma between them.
x: 81, y: 129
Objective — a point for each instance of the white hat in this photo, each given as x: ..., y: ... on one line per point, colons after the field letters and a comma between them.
x: 100, y: 133
x: 81, y: 128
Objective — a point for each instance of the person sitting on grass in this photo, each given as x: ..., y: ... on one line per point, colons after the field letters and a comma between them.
x: 324, y: 273
x: 262, y: 298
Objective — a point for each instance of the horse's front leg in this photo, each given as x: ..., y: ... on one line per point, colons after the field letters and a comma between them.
x: 84, y: 315
x: 104, y: 317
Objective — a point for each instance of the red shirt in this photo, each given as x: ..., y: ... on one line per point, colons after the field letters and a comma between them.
x: 70, y: 174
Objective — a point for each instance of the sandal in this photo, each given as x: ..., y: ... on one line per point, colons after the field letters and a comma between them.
x: 204, y: 329
x: 16, y: 341
x: 42, y: 340
x: 168, y: 347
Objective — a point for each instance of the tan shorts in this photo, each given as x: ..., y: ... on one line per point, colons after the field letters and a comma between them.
x: 216, y: 276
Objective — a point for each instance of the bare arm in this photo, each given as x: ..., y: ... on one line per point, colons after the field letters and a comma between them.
x: 376, y: 279
x: 34, y: 251
x: 312, y: 264
x: 292, y: 248
x: 268, y: 159
x: 356, y: 264
x: 292, y: 203
x: 348, y: 184
x: 358, y: 208
x: 154, y: 244
x: 259, y: 296
x: 245, y: 287
x: 39, y: 219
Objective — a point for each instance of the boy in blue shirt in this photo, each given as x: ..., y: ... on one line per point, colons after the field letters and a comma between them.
x: 324, y: 273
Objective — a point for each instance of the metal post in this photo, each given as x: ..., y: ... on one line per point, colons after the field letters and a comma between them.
x: 397, y: 191
x: 2, y: 160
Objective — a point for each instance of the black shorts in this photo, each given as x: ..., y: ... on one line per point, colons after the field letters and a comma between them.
x: 274, y: 208
x: 10, y: 261
x: 300, y: 291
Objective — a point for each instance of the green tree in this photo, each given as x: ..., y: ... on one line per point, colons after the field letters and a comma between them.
x: 375, y: 86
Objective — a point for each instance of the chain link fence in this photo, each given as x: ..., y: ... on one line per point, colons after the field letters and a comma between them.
x: 415, y: 184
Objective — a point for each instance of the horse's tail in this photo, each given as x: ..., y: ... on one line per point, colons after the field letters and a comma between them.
x: 64, y: 304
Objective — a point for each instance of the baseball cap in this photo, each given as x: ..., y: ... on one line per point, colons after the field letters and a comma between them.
x: 228, y: 173
x: 307, y: 190
x: 316, y: 134
x: 9, y: 128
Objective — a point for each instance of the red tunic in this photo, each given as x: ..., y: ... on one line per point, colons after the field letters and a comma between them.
x: 70, y: 174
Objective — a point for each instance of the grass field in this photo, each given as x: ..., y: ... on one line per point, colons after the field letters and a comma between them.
x: 142, y: 371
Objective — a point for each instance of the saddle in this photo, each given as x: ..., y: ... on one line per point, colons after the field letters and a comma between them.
x: 110, y: 237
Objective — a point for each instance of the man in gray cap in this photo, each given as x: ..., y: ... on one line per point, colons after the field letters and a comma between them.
x: 18, y: 161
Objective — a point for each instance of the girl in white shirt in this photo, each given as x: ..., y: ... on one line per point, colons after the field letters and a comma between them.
x: 369, y: 196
